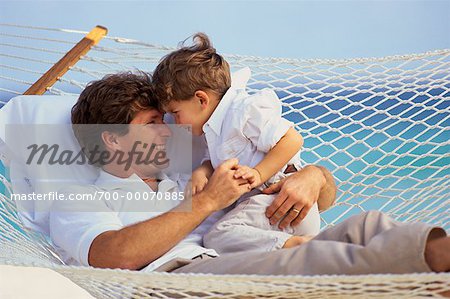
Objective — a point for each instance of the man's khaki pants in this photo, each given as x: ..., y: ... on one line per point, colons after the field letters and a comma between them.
x: 366, y: 243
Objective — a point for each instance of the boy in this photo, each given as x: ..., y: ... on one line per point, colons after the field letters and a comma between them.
x: 194, y: 85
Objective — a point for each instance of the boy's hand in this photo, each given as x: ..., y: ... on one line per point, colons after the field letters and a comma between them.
x: 250, y: 174
x: 199, y: 181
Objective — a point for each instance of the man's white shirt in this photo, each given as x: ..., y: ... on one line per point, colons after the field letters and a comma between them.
x: 72, y: 232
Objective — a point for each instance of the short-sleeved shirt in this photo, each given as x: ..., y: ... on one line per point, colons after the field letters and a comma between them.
x: 245, y: 126
x: 72, y: 233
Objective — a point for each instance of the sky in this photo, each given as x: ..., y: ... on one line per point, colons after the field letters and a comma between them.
x: 293, y: 29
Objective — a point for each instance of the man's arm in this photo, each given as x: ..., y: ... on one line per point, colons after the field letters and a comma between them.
x: 309, y: 185
x: 133, y: 247
x: 136, y: 246
x: 327, y: 195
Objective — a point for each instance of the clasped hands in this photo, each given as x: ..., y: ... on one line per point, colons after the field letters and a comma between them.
x: 252, y: 175
x: 299, y: 191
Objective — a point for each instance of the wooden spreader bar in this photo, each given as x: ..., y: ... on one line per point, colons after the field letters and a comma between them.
x: 71, y: 58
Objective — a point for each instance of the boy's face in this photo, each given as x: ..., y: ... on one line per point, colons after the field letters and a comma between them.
x: 188, y: 112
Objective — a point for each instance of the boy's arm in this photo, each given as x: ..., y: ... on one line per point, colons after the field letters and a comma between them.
x: 263, y: 124
x: 206, y: 168
x: 200, y: 177
x: 286, y: 148
x: 275, y: 159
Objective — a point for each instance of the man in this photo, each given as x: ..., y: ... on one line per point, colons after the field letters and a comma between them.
x: 112, y: 236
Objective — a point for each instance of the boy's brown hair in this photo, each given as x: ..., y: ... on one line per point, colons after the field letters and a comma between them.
x: 113, y: 100
x: 198, y: 67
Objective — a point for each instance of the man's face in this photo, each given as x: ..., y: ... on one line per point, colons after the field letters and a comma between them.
x: 147, y: 135
x: 188, y: 112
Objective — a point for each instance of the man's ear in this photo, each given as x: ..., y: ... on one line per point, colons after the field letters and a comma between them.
x: 110, y: 140
x: 203, y: 98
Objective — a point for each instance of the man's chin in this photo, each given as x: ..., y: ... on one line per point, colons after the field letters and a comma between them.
x: 197, y: 133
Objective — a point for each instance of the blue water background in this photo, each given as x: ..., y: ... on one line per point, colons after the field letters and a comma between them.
x: 295, y: 29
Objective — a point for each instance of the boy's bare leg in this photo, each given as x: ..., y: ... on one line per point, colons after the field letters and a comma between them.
x: 296, y: 241
x: 437, y: 252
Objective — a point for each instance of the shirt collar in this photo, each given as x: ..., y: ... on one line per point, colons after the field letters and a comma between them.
x: 133, y: 182
x: 239, y: 80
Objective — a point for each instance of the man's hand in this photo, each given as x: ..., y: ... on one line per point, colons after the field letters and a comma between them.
x: 222, y: 188
x: 250, y: 174
x: 299, y: 191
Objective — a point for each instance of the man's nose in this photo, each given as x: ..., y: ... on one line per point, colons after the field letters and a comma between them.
x: 164, y: 131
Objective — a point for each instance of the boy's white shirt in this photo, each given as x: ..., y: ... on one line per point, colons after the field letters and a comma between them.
x: 245, y: 126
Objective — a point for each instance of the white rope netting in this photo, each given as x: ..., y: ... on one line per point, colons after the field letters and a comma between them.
x: 381, y: 125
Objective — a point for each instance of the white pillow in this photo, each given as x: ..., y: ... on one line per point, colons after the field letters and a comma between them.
x: 26, y: 179
x: 34, y: 110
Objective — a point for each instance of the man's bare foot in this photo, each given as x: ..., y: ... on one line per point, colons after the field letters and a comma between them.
x: 437, y: 251
x: 296, y: 241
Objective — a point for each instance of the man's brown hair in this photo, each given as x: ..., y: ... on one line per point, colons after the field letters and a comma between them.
x: 198, y: 67
x: 113, y: 100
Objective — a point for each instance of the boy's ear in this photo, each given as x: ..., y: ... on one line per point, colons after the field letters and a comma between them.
x: 203, y: 98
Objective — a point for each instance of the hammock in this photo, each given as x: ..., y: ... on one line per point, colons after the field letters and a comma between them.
x: 379, y: 124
